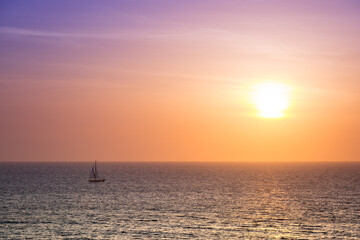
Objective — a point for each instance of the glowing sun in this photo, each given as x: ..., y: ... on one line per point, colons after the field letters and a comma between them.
x: 271, y: 99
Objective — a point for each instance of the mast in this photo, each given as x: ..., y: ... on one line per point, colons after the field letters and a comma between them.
x: 95, y: 171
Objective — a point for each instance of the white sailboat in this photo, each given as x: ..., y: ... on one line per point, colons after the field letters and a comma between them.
x: 94, y: 177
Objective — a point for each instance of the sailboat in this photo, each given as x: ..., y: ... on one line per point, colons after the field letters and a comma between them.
x: 94, y: 177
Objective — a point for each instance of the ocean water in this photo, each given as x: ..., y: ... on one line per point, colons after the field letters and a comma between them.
x: 180, y: 201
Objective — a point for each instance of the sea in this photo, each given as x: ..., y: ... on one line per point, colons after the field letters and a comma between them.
x: 180, y: 200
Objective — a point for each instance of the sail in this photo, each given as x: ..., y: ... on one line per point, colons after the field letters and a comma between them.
x: 92, y: 173
x: 94, y: 177
x: 95, y: 172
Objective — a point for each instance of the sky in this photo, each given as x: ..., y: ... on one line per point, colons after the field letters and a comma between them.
x: 172, y: 80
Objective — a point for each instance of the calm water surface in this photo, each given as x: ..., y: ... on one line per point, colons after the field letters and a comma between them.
x: 180, y: 200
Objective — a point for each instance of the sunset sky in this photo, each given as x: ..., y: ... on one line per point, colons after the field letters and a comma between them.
x: 174, y: 80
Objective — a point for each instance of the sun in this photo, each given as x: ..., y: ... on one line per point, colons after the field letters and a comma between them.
x: 271, y: 99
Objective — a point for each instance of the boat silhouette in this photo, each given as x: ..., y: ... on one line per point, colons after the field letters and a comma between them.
x: 94, y: 177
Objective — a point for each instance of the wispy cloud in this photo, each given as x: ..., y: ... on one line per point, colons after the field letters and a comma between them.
x: 41, y: 33
x: 100, y: 35
x: 248, y: 41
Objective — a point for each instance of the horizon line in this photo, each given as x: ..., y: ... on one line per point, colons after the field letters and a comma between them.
x: 208, y: 161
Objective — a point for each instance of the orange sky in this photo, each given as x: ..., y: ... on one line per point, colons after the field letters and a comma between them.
x: 171, y: 81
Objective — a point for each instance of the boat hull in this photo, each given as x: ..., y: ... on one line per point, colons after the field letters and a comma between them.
x: 97, y: 180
